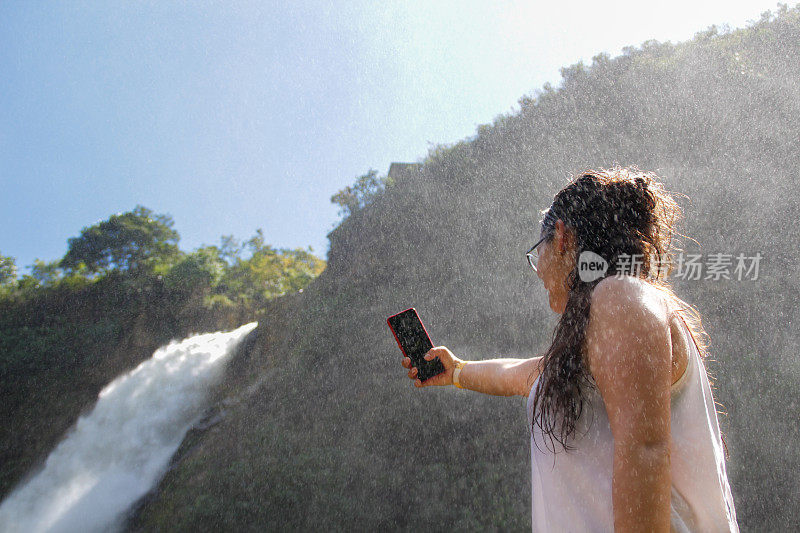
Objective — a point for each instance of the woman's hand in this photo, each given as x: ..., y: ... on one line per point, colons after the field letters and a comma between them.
x: 448, y: 361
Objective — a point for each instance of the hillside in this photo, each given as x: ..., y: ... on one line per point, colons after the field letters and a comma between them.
x: 75, y: 342
x: 123, y: 289
x: 336, y: 437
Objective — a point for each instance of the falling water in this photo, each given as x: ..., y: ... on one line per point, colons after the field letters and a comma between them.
x: 117, y: 452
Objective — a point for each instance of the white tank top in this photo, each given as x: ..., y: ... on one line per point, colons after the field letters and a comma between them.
x: 571, y: 491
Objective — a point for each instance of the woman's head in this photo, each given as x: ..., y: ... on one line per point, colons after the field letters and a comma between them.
x: 555, y: 258
x: 622, y: 214
x: 627, y: 218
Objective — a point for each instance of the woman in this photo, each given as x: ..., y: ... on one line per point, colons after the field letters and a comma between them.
x: 620, y: 400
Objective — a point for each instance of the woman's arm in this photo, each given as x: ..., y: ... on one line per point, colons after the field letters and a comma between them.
x: 499, y: 377
x: 629, y: 354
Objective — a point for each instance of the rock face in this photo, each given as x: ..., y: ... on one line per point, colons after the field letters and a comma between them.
x: 44, y: 404
x: 326, y: 438
x: 115, y: 453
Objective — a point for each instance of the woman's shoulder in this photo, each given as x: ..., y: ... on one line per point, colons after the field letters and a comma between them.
x: 627, y: 351
x: 627, y: 317
x: 624, y: 295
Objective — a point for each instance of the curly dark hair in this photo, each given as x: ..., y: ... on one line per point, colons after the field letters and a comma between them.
x: 614, y: 213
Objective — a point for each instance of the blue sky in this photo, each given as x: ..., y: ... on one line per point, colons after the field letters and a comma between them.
x: 232, y: 116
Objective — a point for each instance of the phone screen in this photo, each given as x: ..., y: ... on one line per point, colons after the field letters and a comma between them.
x: 414, y: 342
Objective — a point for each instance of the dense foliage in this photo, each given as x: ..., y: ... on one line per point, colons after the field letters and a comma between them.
x: 353, y: 198
x: 140, y: 245
x: 123, y: 287
x: 127, y: 241
x: 8, y: 270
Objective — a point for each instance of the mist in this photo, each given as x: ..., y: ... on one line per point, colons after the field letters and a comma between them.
x: 322, y: 427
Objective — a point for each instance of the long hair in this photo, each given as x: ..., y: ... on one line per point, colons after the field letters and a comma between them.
x: 628, y: 218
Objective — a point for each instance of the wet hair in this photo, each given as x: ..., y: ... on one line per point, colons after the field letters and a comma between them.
x: 614, y: 213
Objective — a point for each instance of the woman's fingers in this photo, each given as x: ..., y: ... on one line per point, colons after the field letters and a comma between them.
x: 444, y: 355
x: 442, y: 352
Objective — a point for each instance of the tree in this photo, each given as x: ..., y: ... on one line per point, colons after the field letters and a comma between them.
x: 201, y: 269
x: 128, y: 241
x: 8, y: 270
x: 366, y: 187
x: 270, y: 272
x: 229, y: 249
x: 45, y: 273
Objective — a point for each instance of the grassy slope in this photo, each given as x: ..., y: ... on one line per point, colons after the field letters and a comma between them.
x: 336, y: 437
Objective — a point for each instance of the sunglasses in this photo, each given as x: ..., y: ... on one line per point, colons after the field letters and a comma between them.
x: 533, y: 254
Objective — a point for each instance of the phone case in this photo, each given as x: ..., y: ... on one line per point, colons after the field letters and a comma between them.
x: 414, y: 342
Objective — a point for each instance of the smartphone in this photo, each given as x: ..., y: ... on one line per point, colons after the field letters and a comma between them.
x: 414, y: 342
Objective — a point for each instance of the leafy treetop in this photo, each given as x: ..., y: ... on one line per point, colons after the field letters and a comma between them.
x: 127, y: 242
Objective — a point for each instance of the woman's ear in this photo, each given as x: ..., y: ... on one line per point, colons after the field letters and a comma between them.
x: 564, y: 238
x: 561, y: 236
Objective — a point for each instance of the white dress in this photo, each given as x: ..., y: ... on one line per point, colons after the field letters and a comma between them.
x: 571, y: 491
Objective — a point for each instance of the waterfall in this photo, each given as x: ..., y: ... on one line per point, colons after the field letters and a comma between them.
x: 119, y: 451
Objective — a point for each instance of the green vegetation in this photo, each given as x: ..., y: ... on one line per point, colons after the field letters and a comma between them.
x: 335, y: 437
x: 130, y: 241
x: 140, y: 246
x: 122, y: 289
x: 8, y: 270
x: 266, y: 272
x: 352, y: 199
